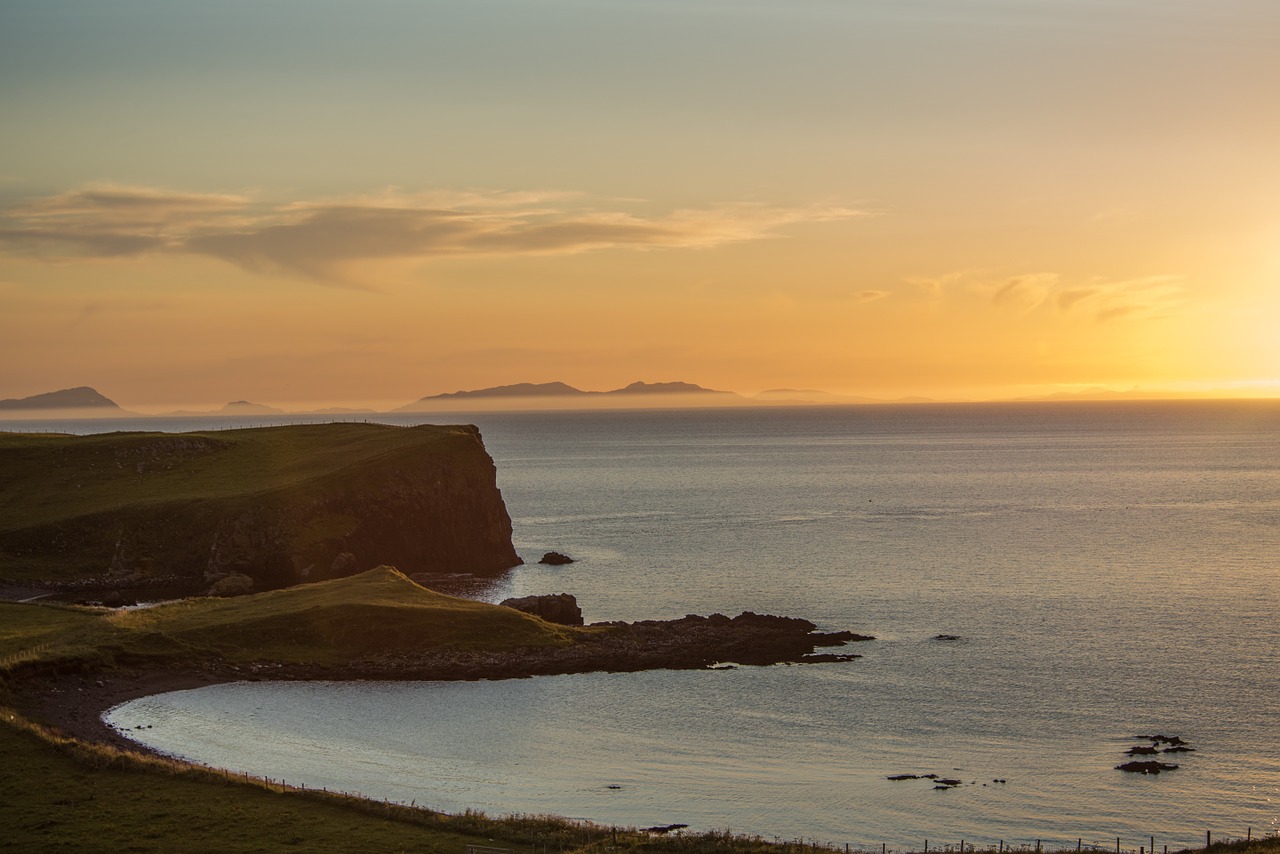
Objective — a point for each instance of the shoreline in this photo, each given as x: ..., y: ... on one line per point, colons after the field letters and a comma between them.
x: 74, y: 703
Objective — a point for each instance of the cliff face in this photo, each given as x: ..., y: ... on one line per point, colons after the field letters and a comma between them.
x: 280, y: 505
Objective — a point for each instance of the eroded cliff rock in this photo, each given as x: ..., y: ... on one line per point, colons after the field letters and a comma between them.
x: 280, y: 505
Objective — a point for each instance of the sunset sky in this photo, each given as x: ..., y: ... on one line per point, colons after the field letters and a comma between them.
x: 301, y: 202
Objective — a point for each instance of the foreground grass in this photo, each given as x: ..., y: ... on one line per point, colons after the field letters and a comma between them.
x: 64, y: 799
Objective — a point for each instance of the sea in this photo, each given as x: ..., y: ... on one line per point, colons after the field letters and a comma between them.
x: 1049, y: 585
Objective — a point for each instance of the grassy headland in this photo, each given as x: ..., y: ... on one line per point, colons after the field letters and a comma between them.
x: 280, y: 504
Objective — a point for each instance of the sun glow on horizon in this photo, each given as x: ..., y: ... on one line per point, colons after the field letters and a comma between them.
x: 955, y: 206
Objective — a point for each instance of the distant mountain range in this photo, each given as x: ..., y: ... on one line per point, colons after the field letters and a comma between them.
x: 544, y: 395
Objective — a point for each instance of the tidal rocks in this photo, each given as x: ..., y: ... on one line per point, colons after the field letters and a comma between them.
x: 946, y: 637
x: 1147, y: 767
x: 1176, y: 745
x: 559, y: 608
x: 555, y: 559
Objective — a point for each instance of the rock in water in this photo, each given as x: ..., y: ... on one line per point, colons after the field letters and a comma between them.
x: 559, y: 608
x: 555, y: 559
x: 1149, y: 767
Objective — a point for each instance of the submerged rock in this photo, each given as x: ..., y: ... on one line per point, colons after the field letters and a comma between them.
x: 1147, y: 767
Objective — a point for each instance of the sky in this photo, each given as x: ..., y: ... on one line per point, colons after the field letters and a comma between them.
x: 310, y: 202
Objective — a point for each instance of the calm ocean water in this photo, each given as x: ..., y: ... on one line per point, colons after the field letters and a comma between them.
x: 1110, y: 569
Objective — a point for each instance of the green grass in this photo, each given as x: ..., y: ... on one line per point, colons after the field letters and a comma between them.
x: 47, y: 478
x: 379, y: 612
x: 27, y: 629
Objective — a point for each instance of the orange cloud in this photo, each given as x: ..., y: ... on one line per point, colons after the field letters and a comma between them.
x: 317, y: 239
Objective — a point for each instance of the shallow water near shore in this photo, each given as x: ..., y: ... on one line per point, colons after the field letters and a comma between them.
x: 1111, y: 570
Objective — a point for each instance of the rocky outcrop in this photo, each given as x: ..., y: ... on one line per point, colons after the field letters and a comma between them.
x: 554, y: 608
x: 689, y: 643
x: 555, y: 559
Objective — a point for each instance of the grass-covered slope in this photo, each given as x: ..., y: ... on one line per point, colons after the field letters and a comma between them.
x: 379, y: 612
x: 279, y: 504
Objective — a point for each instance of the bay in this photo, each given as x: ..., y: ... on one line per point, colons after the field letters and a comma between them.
x: 1110, y: 570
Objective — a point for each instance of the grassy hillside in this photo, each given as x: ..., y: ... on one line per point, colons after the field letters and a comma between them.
x: 376, y: 612
x: 279, y: 504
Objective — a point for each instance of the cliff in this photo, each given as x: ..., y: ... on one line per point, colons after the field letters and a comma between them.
x: 281, y: 505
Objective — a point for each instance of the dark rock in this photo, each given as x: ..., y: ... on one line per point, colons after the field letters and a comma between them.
x: 946, y: 637
x: 828, y: 657
x: 1141, y: 750
x: 555, y: 559
x: 903, y: 777
x: 117, y: 599
x: 1179, y: 748
x: 943, y: 788
x: 948, y: 782
x: 554, y: 608
x: 928, y: 776
x: 1148, y: 767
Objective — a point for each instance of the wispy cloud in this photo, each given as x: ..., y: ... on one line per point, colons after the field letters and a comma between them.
x: 1102, y: 299
x: 869, y: 296
x: 320, y: 239
x: 1145, y: 297
x: 1025, y: 293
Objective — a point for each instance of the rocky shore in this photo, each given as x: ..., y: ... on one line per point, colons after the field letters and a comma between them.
x: 74, y: 703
